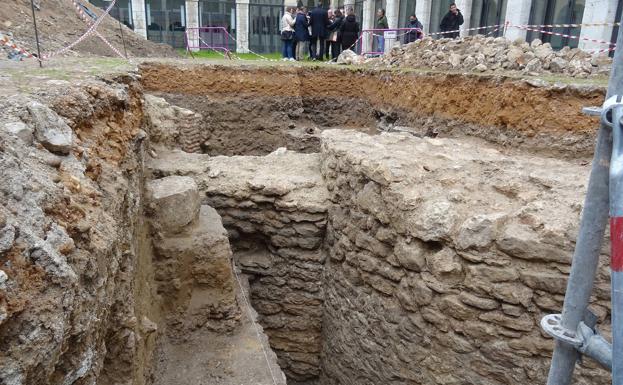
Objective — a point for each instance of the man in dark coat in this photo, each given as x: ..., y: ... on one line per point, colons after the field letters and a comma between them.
x: 319, y: 21
x: 349, y: 31
x: 452, y: 21
x: 416, y: 32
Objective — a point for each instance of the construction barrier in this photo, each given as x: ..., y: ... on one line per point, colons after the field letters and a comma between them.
x: 19, y: 51
x: 371, y: 40
x: 86, y: 34
x: 210, y: 38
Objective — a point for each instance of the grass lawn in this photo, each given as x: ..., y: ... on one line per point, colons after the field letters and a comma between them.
x: 209, y: 54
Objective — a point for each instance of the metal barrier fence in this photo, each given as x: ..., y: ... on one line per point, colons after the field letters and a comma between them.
x: 210, y: 38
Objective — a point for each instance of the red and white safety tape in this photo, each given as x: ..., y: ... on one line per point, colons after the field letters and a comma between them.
x: 563, y: 35
x: 5, y: 41
x: 87, y: 19
x: 572, y: 25
x: 86, y: 34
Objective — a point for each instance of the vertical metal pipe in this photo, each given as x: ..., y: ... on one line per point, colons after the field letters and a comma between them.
x: 125, y: 50
x: 590, y: 238
x: 616, y: 237
x: 34, y: 21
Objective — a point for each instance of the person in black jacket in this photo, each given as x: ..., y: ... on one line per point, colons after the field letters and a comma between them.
x: 335, y: 35
x: 319, y: 21
x: 416, y: 32
x: 349, y: 31
x: 452, y: 21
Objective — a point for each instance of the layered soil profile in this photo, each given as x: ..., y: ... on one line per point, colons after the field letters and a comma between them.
x: 516, y: 113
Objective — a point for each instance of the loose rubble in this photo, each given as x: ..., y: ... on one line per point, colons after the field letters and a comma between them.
x: 487, y: 54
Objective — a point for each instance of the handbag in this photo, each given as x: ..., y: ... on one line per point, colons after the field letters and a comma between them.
x: 333, y: 37
x: 287, y: 35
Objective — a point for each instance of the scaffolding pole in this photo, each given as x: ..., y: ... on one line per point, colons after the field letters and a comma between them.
x: 590, y: 238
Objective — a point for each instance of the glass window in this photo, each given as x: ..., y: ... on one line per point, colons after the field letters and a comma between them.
x: 407, y: 8
x: 166, y: 21
x: 121, y: 11
x: 488, y: 13
x: 557, y: 12
x: 218, y: 22
x: 264, y: 24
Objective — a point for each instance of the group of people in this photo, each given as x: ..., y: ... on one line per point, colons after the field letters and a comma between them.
x: 324, y: 33
x: 320, y: 33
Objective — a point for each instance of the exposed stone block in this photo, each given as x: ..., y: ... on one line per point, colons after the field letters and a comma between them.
x: 175, y: 202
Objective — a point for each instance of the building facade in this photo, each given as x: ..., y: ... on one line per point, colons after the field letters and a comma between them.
x: 253, y: 25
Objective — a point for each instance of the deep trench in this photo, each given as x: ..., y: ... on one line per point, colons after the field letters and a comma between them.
x: 256, y: 124
x: 408, y: 234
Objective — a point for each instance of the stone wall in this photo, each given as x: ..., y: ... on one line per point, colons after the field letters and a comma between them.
x: 274, y: 208
x: 444, y: 255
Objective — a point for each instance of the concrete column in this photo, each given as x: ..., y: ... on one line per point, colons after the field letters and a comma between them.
x: 392, y: 8
x: 290, y: 3
x: 517, y: 13
x: 139, y: 18
x: 466, y: 9
x: 422, y: 11
x: 598, y: 11
x: 368, y: 23
x: 192, y: 21
x: 242, y: 26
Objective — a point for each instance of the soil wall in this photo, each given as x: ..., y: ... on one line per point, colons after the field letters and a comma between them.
x: 506, y: 111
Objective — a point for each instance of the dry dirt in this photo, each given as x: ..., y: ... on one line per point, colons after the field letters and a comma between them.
x: 516, y: 113
x: 59, y: 25
x: 207, y: 357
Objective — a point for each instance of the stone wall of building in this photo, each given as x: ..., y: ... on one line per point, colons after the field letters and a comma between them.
x: 274, y: 208
x: 396, y: 259
x: 444, y: 256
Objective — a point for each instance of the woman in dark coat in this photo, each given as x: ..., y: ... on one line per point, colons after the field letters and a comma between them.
x: 349, y: 31
x: 335, y: 35
x: 301, y: 33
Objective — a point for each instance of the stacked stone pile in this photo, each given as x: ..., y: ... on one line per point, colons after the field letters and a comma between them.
x: 482, y: 54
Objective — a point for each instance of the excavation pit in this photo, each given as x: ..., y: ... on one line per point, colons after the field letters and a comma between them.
x: 382, y: 229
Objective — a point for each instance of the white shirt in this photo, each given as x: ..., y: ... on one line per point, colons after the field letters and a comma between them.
x: 287, y: 22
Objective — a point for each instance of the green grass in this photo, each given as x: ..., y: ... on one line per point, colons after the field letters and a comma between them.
x: 209, y: 54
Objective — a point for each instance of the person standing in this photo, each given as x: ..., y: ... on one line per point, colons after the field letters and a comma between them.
x: 319, y: 21
x: 335, y: 35
x: 327, y: 46
x: 349, y: 31
x: 452, y: 21
x: 416, y: 30
x: 287, y: 34
x: 382, y: 25
x: 301, y: 34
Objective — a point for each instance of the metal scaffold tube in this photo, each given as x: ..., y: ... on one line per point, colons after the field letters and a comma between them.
x: 589, y: 242
x: 616, y: 237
